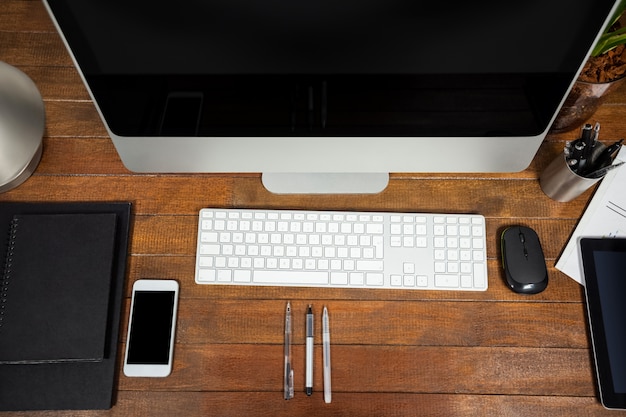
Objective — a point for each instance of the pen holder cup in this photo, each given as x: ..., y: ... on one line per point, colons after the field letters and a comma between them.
x: 560, y: 183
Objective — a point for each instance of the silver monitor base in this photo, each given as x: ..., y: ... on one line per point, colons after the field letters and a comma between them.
x: 325, y: 183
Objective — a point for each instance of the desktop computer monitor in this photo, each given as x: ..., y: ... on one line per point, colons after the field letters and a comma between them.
x: 338, y: 91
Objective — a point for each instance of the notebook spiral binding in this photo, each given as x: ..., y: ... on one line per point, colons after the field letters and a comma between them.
x: 6, y: 274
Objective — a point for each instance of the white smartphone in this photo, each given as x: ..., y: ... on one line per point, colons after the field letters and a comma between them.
x: 151, y: 328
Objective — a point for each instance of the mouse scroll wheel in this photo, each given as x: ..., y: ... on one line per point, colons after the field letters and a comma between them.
x: 522, y: 238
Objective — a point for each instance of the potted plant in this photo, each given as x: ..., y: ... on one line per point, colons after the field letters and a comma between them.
x: 603, y: 72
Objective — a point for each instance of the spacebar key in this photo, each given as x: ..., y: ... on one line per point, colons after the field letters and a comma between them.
x: 290, y: 277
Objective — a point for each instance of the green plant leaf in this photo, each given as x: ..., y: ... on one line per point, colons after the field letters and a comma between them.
x: 610, y: 40
x: 618, y: 13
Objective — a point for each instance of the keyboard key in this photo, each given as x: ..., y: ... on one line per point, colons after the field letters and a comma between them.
x: 374, y: 279
x: 396, y: 280
x: 242, y: 275
x: 290, y: 277
x: 207, y: 275
x: 447, y: 281
x: 357, y: 278
x: 370, y: 265
x: 224, y: 275
x: 339, y: 278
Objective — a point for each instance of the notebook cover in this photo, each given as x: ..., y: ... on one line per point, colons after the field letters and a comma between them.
x: 56, y: 287
x: 70, y: 385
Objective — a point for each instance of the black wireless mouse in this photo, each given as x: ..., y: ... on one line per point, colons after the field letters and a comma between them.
x: 523, y: 260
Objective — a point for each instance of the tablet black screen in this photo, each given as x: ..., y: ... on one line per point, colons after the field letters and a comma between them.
x: 604, y: 263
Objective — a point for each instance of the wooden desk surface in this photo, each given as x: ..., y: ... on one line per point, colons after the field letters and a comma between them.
x: 399, y: 353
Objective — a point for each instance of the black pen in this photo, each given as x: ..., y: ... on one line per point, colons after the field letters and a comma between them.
x: 577, y: 160
x: 605, y: 158
x: 587, y: 140
x: 611, y: 149
x: 602, y: 171
x: 587, y: 135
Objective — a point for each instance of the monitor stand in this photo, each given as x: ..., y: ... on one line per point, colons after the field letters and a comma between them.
x: 325, y: 183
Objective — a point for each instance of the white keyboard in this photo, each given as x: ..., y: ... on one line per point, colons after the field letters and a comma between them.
x: 417, y: 251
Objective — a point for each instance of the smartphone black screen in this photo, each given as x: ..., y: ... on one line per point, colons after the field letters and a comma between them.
x: 151, y: 327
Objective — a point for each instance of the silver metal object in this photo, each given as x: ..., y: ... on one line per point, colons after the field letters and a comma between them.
x: 22, y: 123
x: 560, y: 183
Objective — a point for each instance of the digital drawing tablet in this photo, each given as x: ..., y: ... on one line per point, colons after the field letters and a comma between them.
x: 604, y: 270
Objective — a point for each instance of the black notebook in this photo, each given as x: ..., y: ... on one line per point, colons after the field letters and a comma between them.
x: 74, y: 271
x: 56, y: 283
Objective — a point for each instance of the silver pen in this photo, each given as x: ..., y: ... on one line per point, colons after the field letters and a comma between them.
x: 288, y: 377
x: 326, y: 356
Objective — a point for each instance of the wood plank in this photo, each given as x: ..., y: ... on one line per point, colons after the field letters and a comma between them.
x: 381, y: 369
x: 237, y: 404
x: 378, y: 322
x: 33, y: 48
x: 367, y: 404
x: 80, y: 156
x: 58, y: 84
x: 498, y: 197
x: 149, y: 194
x: 78, y: 119
x: 25, y: 16
x: 188, y: 193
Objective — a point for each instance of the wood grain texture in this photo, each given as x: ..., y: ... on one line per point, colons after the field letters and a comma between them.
x: 395, y: 353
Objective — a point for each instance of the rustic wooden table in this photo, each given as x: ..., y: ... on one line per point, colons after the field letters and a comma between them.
x: 399, y: 353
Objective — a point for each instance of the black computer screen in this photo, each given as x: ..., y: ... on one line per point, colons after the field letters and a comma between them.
x: 332, y: 67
